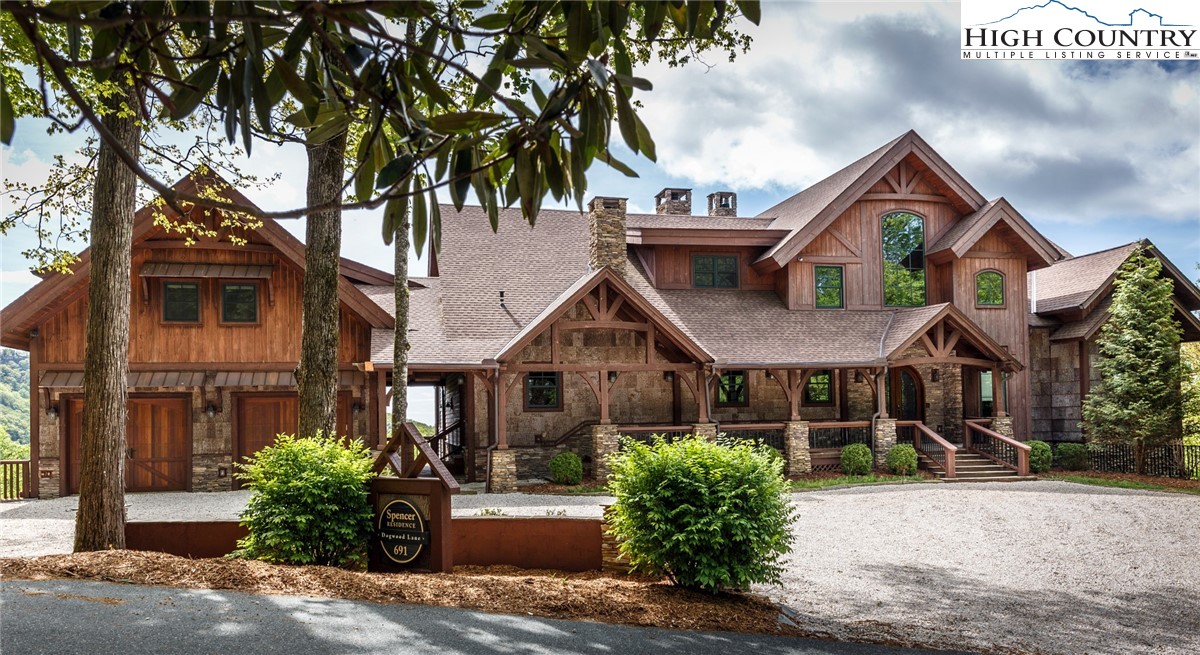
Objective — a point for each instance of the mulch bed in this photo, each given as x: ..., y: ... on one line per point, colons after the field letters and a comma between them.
x: 551, y: 594
x: 1170, y: 483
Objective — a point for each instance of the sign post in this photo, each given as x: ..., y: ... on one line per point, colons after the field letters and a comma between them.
x: 412, y: 514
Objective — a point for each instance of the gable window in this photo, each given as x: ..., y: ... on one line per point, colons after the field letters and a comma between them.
x: 819, y: 389
x: 989, y: 289
x: 181, y: 302
x: 732, y: 390
x: 543, y: 391
x: 903, y: 235
x: 829, y: 282
x: 715, y: 271
x: 239, y: 302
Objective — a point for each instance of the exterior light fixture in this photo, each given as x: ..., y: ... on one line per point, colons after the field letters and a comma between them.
x: 612, y: 377
x: 669, y: 376
x: 935, y: 376
x: 357, y: 408
x: 210, y: 410
x: 858, y: 377
x: 52, y: 412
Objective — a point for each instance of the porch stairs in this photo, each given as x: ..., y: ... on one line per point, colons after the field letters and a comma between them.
x: 971, y: 467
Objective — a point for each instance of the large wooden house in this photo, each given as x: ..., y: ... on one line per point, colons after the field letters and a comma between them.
x: 888, y: 302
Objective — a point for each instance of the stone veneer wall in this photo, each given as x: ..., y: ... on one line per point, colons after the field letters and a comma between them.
x: 1055, y: 400
x: 1041, y: 377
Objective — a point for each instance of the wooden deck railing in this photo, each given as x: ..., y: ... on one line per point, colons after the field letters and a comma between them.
x: 768, y: 433
x: 645, y: 433
x: 838, y: 434
x: 933, y: 446
x: 14, y: 479
x: 1005, y: 451
x: 447, y: 441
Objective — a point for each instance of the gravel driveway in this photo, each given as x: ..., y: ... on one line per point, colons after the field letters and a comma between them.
x: 1042, y: 567
x: 1030, y: 567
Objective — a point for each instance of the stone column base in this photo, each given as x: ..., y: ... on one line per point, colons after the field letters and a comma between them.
x: 706, y: 430
x: 606, y: 440
x: 611, y: 559
x: 1003, y: 425
x: 885, y: 438
x: 795, y: 448
x: 504, y: 472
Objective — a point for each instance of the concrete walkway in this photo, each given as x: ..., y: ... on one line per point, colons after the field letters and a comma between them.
x: 98, y: 618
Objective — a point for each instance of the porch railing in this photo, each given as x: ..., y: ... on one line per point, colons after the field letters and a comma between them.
x: 932, y: 445
x: 1005, y: 451
x: 646, y: 433
x: 14, y: 479
x: 838, y: 434
x: 906, y: 432
x: 770, y: 434
x: 447, y: 442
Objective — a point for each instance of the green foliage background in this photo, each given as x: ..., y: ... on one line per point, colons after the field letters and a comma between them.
x: 14, y: 397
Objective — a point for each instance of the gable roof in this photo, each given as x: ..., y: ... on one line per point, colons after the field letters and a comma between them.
x: 1077, y: 285
x: 967, y: 231
x: 58, y: 289
x: 809, y: 212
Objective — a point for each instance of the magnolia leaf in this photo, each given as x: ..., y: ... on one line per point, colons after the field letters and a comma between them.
x: 464, y: 121
x: 607, y: 158
x: 751, y: 9
x: 394, y: 171
x: 492, y: 22
x: 627, y: 120
x: 420, y: 222
x: 197, y: 85
x: 294, y: 83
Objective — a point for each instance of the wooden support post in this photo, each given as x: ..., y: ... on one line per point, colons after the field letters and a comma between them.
x: 500, y: 414
x: 793, y: 394
x: 468, y: 424
x: 603, y: 397
x: 35, y: 420
x: 676, y: 400
x: 998, y: 400
x: 379, y: 404
x: 881, y: 404
x: 701, y: 390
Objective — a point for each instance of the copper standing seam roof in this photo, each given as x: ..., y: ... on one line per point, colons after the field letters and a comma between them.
x: 74, y: 379
x: 184, y: 269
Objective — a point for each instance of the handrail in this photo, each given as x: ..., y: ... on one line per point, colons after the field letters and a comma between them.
x: 15, y: 479
x: 1022, y: 450
x: 445, y: 432
x: 838, y: 424
x: 753, y: 426
x: 572, y: 432
x: 948, y: 449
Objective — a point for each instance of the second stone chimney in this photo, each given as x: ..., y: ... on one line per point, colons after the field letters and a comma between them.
x: 606, y: 234
x: 674, y: 201
x: 722, y: 203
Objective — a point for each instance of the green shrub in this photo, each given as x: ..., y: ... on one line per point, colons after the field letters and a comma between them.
x: 856, y: 459
x: 708, y: 515
x: 1073, y: 456
x: 901, y: 459
x: 1040, y: 456
x: 310, y: 502
x: 566, y: 468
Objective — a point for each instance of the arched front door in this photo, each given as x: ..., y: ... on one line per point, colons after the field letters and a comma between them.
x: 906, y: 395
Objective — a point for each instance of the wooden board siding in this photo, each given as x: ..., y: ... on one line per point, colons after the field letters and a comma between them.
x: 157, y: 441
x: 673, y: 266
x: 274, y: 339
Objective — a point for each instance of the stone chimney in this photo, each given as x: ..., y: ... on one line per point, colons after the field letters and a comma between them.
x: 606, y: 234
x: 674, y: 201
x: 722, y: 203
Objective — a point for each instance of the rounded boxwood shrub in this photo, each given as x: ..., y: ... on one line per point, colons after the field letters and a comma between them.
x: 1040, y: 456
x: 708, y: 515
x: 566, y: 468
x: 856, y: 459
x: 1073, y: 456
x: 902, y: 459
x: 310, y: 502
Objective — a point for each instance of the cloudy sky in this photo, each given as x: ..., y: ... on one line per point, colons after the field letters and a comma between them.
x: 1093, y: 154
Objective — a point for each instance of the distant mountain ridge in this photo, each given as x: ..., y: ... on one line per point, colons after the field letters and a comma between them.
x: 1049, y: 3
x: 14, y: 394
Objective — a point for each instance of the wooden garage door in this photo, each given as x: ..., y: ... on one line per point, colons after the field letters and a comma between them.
x: 262, y: 417
x: 157, y: 443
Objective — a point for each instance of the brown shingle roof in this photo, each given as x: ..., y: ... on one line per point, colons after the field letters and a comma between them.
x: 1070, y: 283
x: 677, y: 221
x: 1083, y: 328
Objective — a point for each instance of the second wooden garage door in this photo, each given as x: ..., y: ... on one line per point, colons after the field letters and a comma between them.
x: 157, y: 443
x: 262, y: 417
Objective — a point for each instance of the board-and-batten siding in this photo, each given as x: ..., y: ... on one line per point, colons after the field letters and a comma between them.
x: 274, y: 339
x: 673, y: 266
x: 853, y: 241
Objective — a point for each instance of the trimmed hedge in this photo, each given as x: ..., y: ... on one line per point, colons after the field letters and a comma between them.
x: 1040, y: 456
x: 856, y: 459
x: 566, y: 468
x: 902, y: 459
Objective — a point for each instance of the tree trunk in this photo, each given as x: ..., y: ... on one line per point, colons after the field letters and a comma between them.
x: 100, y: 521
x: 400, y: 350
x: 317, y: 374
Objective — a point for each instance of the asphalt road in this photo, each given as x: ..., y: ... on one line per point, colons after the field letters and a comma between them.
x: 97, y: 618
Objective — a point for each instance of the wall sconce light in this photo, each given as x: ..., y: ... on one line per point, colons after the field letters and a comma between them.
x: 612, y: 377
x: 935, y: 376
x: 669, y: 376
x: 210, y: 410
x: 357, y: 408
x: 858, y: 377
x: 52, y: 412
x: 770, y: 375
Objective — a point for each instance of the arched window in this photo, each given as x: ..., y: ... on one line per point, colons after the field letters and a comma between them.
x: 989, y: 289
x: 903, y: 260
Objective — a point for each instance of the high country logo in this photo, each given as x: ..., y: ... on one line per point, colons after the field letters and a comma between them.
x: 1080, y: 29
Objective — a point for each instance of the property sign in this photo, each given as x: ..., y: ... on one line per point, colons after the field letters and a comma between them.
x: 402, y: 532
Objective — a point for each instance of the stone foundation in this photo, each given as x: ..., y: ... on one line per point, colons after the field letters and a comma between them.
x: 504, y: 471
x: 605, y: 441
x: 611, y: 559
x: 795, y: 444
x: 212, y: 473
x: 885, y: 438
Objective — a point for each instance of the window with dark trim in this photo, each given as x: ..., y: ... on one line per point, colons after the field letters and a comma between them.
x: 987, y: 394
x: 715, y: 271
x: 989, y: 289
x: 543, y: 391
x: 733, y: 389
x: 819, y: 389
x: 239, y: 302
x: 903, y: 236
x: 181, y: 302
x: 830, y: 284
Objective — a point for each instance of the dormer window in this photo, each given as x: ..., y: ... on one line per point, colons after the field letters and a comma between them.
x: 829, y: 287
x: 715, y: 271
x: 903, y: 236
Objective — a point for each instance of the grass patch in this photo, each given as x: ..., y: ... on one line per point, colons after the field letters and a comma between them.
x: 809, y: 484
x: 1120, y: 483
x: 587, y: 490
